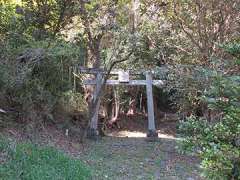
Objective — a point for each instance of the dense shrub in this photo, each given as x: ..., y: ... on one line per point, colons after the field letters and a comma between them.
x: 36, y: 73
x: 37, y: 76
x: 217, y: 141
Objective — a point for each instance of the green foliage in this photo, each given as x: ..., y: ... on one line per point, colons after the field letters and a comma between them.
x: 35, y: 76
x: 216, y: 141
x: 73, y: 101
x: 36, y: 64
x: 8, y: 18
x: 234, y: 49
x: 31, y: 162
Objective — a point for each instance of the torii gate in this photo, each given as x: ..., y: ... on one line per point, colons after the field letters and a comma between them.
x: 123, y: 79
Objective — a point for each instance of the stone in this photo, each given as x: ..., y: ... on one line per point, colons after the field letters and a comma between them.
x: 152, y: 135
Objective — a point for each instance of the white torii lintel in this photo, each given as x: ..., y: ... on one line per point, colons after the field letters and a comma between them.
x: 129, y: 83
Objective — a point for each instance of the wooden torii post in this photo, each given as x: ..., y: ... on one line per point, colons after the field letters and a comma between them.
x: 123, y: 79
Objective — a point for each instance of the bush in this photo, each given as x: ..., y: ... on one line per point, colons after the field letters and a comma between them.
x: 217, y: 141
x: 35, y: 73
x: 36, y: 77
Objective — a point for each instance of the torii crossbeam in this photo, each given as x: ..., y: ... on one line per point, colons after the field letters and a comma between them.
x: 123, y: 79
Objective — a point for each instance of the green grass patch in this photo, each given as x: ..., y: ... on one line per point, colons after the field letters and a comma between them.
x: 32, y: 162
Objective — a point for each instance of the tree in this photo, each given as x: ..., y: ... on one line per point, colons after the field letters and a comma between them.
x: 46, y: 19
x: 206, y: 24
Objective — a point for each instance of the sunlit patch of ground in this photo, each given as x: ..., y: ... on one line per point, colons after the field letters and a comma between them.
x: 138, y: 134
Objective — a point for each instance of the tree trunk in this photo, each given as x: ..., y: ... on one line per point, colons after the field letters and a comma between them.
x: 115, y: 108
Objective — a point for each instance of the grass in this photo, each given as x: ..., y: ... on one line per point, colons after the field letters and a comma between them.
x: 137, y: 159
x: 31, y: 162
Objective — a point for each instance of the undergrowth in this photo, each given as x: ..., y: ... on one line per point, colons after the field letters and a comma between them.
x: 31, y: 162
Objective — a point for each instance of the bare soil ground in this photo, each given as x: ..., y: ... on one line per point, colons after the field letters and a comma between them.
x: 124, y: 154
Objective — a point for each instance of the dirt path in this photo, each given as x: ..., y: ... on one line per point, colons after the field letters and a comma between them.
x: 119, y: 158
x: 123, y: 155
